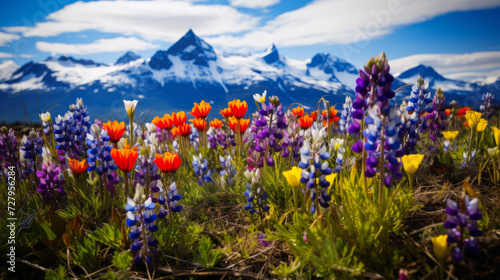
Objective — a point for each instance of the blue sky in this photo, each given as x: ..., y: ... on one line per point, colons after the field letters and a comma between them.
x: 459, y: 38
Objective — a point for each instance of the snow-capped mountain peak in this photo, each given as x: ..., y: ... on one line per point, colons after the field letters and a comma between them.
x: 426, y: 72
x: 271, y: 55
x: 127, y: 57
x: 192, y: 47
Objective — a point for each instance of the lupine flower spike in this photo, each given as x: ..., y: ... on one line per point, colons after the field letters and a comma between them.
x: 141, y: 221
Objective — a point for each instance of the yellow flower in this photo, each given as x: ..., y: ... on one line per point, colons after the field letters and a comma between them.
x: 481, y: 125
x: 473, y: 118
x: 411, y: 163
x: 330, y: 179
x: 440, y: 245
x: 450, y: 135
x: 293, y: 176
x: 496, y: 133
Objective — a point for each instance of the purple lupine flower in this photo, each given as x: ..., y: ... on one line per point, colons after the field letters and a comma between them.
x: 460, y: 218
x: 375, y: 80
x: 216, y: 138
x: 346, y: 115
x: 262, y: 240
x: 486, y: 106
x: 391, y: 124
x: 81, y: 122
x: 9, y: 151
x: 438, y: 116
x: 229, y: 170
x: 314, y: 156
x: 147, y: 171
x: 255, y: 193
x: 99, y: 156
x: 46, y: 122
x: 200, y: 166
x: 65, y: 136
x: 411, y: 117
x: 141, y: 220
x: 51, y: 185
x: 293, y: 138
x: 268, y: 129
x: 31, y: 147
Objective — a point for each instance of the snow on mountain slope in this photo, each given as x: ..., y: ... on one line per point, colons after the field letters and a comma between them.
x: 7, y: 68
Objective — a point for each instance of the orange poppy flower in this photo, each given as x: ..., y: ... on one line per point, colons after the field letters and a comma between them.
x: 244, y: 123
x: 179, y: 118
x: 200, y: 124
x: 238, y: 108
x: 226, y: 112
x: 216, y: 124
x: 305, y: 121
x: 183, y: 130
x: 115, y: 130
x: 168, y: 162
x: 166, y: 122
x: 124, y: 158
x: 447, y: 111
x: 78, y: 167
x: 314, y: 115
x: 201, y: 111
x: 298, y: 111
x: 463, y: 111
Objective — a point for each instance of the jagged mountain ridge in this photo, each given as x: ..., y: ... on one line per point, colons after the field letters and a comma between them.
x: 188, y: 71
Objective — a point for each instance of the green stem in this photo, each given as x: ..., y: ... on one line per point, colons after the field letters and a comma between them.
x: 382, y: 164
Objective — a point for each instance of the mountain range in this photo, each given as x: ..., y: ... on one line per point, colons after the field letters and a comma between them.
x: 190, y: 71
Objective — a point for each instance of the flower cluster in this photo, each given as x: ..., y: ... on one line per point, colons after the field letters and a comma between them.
x: 141, y: 221
x: 255, y: 193
x: 438, y: 116
x: 200, y: 166
x: 228, y: 170
x: 382, y: 143
x: 268, y: 129
x: 31, y: 148
x: 52, y: 181
x: 314, y: 156
x: 486, y: 106
x: 346, y: 115
x: 9, y: 151
x: 373, y: 87
x: 461, y: 218
x: 99, y: 157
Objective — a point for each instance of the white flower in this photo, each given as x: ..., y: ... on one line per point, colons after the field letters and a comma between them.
x: 494, y: 152
x: 79, y: 103
x: 45, y: 117
x: 96, y: 129
x: 260, y: 98
x: 130, y: 106
x: 150, y: 127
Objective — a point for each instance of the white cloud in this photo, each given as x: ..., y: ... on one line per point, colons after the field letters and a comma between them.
x: 449, y: 63
x: 5, y: 55
x: 6, y: 37
x: 345, y: 21
x: 254, y: 4
x: 165, y: 20
x: 487, y: 77
x: 98, y: 46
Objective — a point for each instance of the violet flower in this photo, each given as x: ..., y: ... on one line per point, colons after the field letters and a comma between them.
x: 268, y: 130
x: 51, y: 185
x: 485, y: 108
x: 141, y: 220
x: 314, y: 157
x: 459, y: 219
x: 9, y: 151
